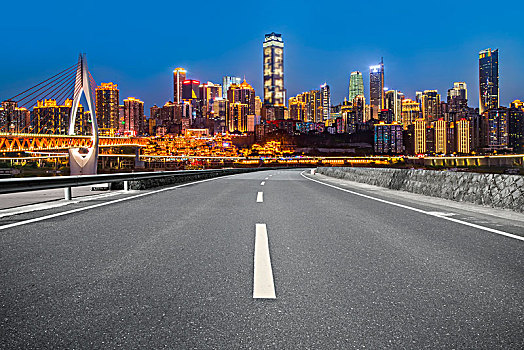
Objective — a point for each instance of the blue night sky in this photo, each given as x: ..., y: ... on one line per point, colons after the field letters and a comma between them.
x: 425, y: 45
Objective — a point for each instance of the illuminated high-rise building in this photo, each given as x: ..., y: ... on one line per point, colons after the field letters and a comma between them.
x: 313, y: 105
x: 14, y: 118
x: 430, y: 104
x: 410, y: 112
x: 227, y: 81
x: 243, y: 93
x: 209, y: 92
x: 50, y: 117
x: 179, y: 75
x: 441, y: 136
x: 488, y: 79
x: 258, y: 106
x: 420, y: 136
x: 106, y: 108
x: 297, y: 109
x: 237, y: 117
x: 498, y: 136
x: 274, y: 92
x: 458, y: 93
x: 516, y: 126
x: 191, y: 90
x: 376, y: 88
x: 359, y: 109
x: 133, y: 117
x: 388, y: 138
x: 356, y: 85
x: 325, y: 95
x: 393, y: 102
x: 463, y: 136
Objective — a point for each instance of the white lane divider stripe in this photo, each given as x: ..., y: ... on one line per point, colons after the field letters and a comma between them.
x: 266, y: 178
x: 260, y: 197
x: 262, y: 183
x: 263, y: 284
x: 484, y: 228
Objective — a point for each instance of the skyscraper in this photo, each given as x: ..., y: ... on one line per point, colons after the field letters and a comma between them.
x: 179, y: 75
x: 326, y: 101
x: 430, y: 104
x: 243, y: 93
x: 226, y: 83
x: 458, y: 96
x: 356, y: 85
x: 17, y: 119
x: 107, y: 113
x: 410, y: 112
x: 274, y: 93
x: 376, y: 88
x: 488, y: 79
x: 133, y: 117
x: 393, y: 102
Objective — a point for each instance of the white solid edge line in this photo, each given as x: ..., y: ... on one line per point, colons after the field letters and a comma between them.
x: 262, y: 183
x: 507, y: 234
x: 263, y: 284
x: 20, y: 223
x: 260, y: 197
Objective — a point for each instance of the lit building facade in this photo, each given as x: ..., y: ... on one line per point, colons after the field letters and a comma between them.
x: 313, y: 105
x: 376, y: 89
x: 498, y: 128
x: 420, y: 136
x: 13, y: 118
x: 463, y: 136
x: 393, y: 102
x: 297, y: 109
x: 106, y: 108
x: 356, y: 85
x: 52, y: 118
x: 441, y: 136
x: 227, y: 81
x: 179, y: 75
x: 274, y: 92
x: 488, y: 80
x: 133, y: 122
x: 258, y: 106
x: 430, y: 104
x: 388, y: 138
x: 243, y: 93
x: 458, y: 96
x: 326, y: 101
x: 410, y: 111
x: 209, y: 93
x: 237, y: 117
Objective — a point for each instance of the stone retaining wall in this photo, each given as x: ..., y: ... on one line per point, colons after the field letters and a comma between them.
x: 495, y: 190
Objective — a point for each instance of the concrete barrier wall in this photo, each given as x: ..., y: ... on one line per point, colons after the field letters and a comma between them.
x: 495, y: 190
x: 171, y: 180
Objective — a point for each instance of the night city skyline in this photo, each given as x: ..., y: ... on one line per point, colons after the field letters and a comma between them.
x: 415, y: 59
x: 262, y: 175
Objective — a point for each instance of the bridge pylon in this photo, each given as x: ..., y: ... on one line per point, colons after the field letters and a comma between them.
x: 83, y: 163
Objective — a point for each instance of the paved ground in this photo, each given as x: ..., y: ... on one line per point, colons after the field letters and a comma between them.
x: 14, y: 200
x: 180, y: 268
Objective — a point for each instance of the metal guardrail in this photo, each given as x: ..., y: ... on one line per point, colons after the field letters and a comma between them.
x: 47, y: 183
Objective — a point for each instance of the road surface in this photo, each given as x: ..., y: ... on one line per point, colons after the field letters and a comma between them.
x: 270, y: 259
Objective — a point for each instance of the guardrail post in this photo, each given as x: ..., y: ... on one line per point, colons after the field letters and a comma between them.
x: 126, y: 185
x: 67, y: 193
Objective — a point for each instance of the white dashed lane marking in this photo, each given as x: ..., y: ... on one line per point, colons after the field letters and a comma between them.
x: 263, y: 284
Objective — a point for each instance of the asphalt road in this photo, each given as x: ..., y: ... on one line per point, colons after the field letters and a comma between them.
x: 178, y: 269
